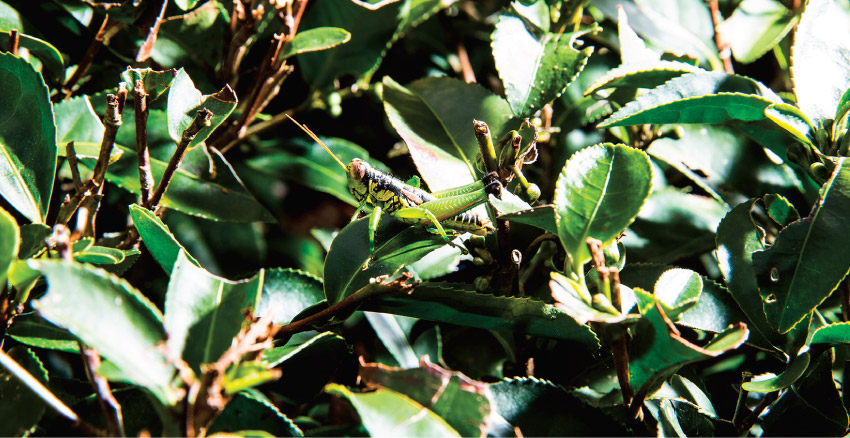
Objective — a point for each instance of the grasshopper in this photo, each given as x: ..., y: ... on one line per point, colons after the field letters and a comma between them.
x: 385, y: 193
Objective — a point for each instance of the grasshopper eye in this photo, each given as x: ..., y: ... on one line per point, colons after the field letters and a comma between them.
x: 357, y: 169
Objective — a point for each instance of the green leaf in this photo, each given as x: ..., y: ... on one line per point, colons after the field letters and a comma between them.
x: 672, y: 225
x: 313, y: 40
x: 834, y: 334
x: 184, y: 101
x: 286, y: 293
x: 462, y: 402
x: 51, y: 60
x: 29, y: 329
x: 108, y: 314
x: 396, y: 244
x: 9, y: 18
x: 820, y: 73
x: 306, y: 162
x: 656, y: 352
x: 27, y: 139
x: 575, y: 300
x: 385, y: 412
x: 193, y: 190
x: 677, y: 290
x: 434, y: 118
x: 542, y: 217
x: 756, y: 27
x: 157, y: 238
x: 804, y: 264
x: 793, y: 121
x: 100, y: 255
x: 461, y: 304
x: 252, y: 411
x: 391, y: 331
x: 598, y: 194
x: 21, y: 409
x: 76, y: 121
x: 677, y: 26
x: 32, y: 239
x: 705, y: 97
x: 203, y: 313
x: 535, y: 66
x: 633, y: 49
x: 795, y: 369
x: 186, y: 4
x: 812, y: 407
x: 641, y: 75
x: 307, y: 363
x: 246, y: 375
x: 373, y: 27
x: 155, y: 82
x: 10, y: 241
x: 541, y: 408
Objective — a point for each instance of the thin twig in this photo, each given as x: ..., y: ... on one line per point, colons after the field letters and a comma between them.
x: 202, y: 120
x: 722, y: 47
x: 140, y: 98
x: 465, y: 65
x: 108, y: 405
x: 61, y: 240
x: 107, y: 29
x: 71, y: 155
x: 14, y: 40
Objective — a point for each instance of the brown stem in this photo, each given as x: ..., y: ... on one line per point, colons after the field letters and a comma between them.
x: 62, y: 240
x: 202, y: 119
x: 107, y: 29
x: 620, y: 353
x: 143, y: 153
x: 753, y: 416
x: 108, y: 405
x: 722, y: 48
x: 465, y: 65
x: 844, y: 289
x: 14, y: 40
x: 348, y: 303
x: 71, y: 155
x: 5, y: 311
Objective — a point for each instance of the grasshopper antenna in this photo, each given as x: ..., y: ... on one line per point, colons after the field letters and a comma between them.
x: 316, y: 139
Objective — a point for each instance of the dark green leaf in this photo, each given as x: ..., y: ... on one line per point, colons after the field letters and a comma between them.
x: 706, y: 97
x: 31, y: 330
x: 820, y: 73
x: 28, y: 143
x: 673, y: 224
x: 373, y: 27
x: 394, y: 331
x: 10, y: 241
x: 460, y: 304
x: 20, y: 408
x: 813, y: 406
x: 51, y: 60
x: 203, y: 313
x: 542, y: 217
x: 541, y: 408
x: 795, y: 369
x: 246, y: 375
x: 32, y: 239
x: 286, y: 293
x: 459, y: 400
x: 656, y: 352
x: 313, y: 40
x: 193, y: 190
x: 598, y: 194
x: 108, y: 314
x: 385, y: 412
x: 641, y: 75
x: 252, y: 411
x: 434, y: 118
x: 306, y: 162
x: 184, y: 102
x: 755, y: 27
x: 396, y: 244
x: 535, y: 66
x: 307, y: 362
x: 157, y: 238
x: 154, y: 82
x: 804, y: 265
x: 76, y: 121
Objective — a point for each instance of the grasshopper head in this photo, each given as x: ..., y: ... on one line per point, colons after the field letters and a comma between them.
x: 356, y: 170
